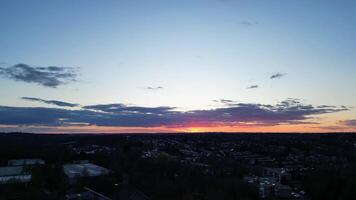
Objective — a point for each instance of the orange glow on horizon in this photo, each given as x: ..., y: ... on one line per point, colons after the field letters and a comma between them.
x: 194, y: 130
x: 190, y: 128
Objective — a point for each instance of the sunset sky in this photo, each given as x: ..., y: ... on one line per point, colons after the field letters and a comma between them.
x: 72, y: 66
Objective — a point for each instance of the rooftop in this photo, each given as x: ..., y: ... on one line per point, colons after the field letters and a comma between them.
x: 21, y: 162
x: 86, y: 169
x: 11, y: 171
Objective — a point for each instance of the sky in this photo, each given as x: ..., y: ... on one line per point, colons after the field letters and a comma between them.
x: 115, y: 66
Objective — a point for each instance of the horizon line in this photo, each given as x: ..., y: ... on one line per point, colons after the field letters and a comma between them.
x: 173, y: 133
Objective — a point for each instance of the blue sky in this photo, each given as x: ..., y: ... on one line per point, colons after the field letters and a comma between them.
x: 197, y: 51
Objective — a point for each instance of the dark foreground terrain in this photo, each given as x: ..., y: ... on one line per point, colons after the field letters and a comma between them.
x: 179, y: 166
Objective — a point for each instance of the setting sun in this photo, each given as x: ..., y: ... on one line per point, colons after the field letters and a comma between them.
x: 194, y: 130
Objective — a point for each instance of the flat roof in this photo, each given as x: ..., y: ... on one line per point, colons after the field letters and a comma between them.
x: 11, y: 171
x: 18, y: 162
x: 86, y: 169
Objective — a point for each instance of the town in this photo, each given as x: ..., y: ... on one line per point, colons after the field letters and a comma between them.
x: 199, y: 166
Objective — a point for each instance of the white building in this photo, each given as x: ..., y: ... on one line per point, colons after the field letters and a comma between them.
x: 76, y: 171
x: 14, y: 174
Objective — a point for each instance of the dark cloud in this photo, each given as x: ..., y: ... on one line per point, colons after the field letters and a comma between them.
x: 290, y: 111
x: 326, y: 106
x: 124, y: 109
x: 252, y: 87
x: 277, y: 75
x: 286, y: 112
x: 32, y: 116
x: 51, y: 76
x: 53, y: 102
x: 350, y: 123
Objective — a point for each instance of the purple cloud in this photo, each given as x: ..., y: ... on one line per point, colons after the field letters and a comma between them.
x: 350, y: 123
x: 290, y: 111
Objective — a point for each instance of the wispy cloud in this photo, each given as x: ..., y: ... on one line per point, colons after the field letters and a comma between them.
x: 252, y: 87
x: 248, y: 24
x: 343, y: 125
x: 153, y: 88
x: 228, y: 102
x: 332, y: 128
x: 350, y: 123
x: 51, y: 76
x: 52, y: 102
x: 277, y: 75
